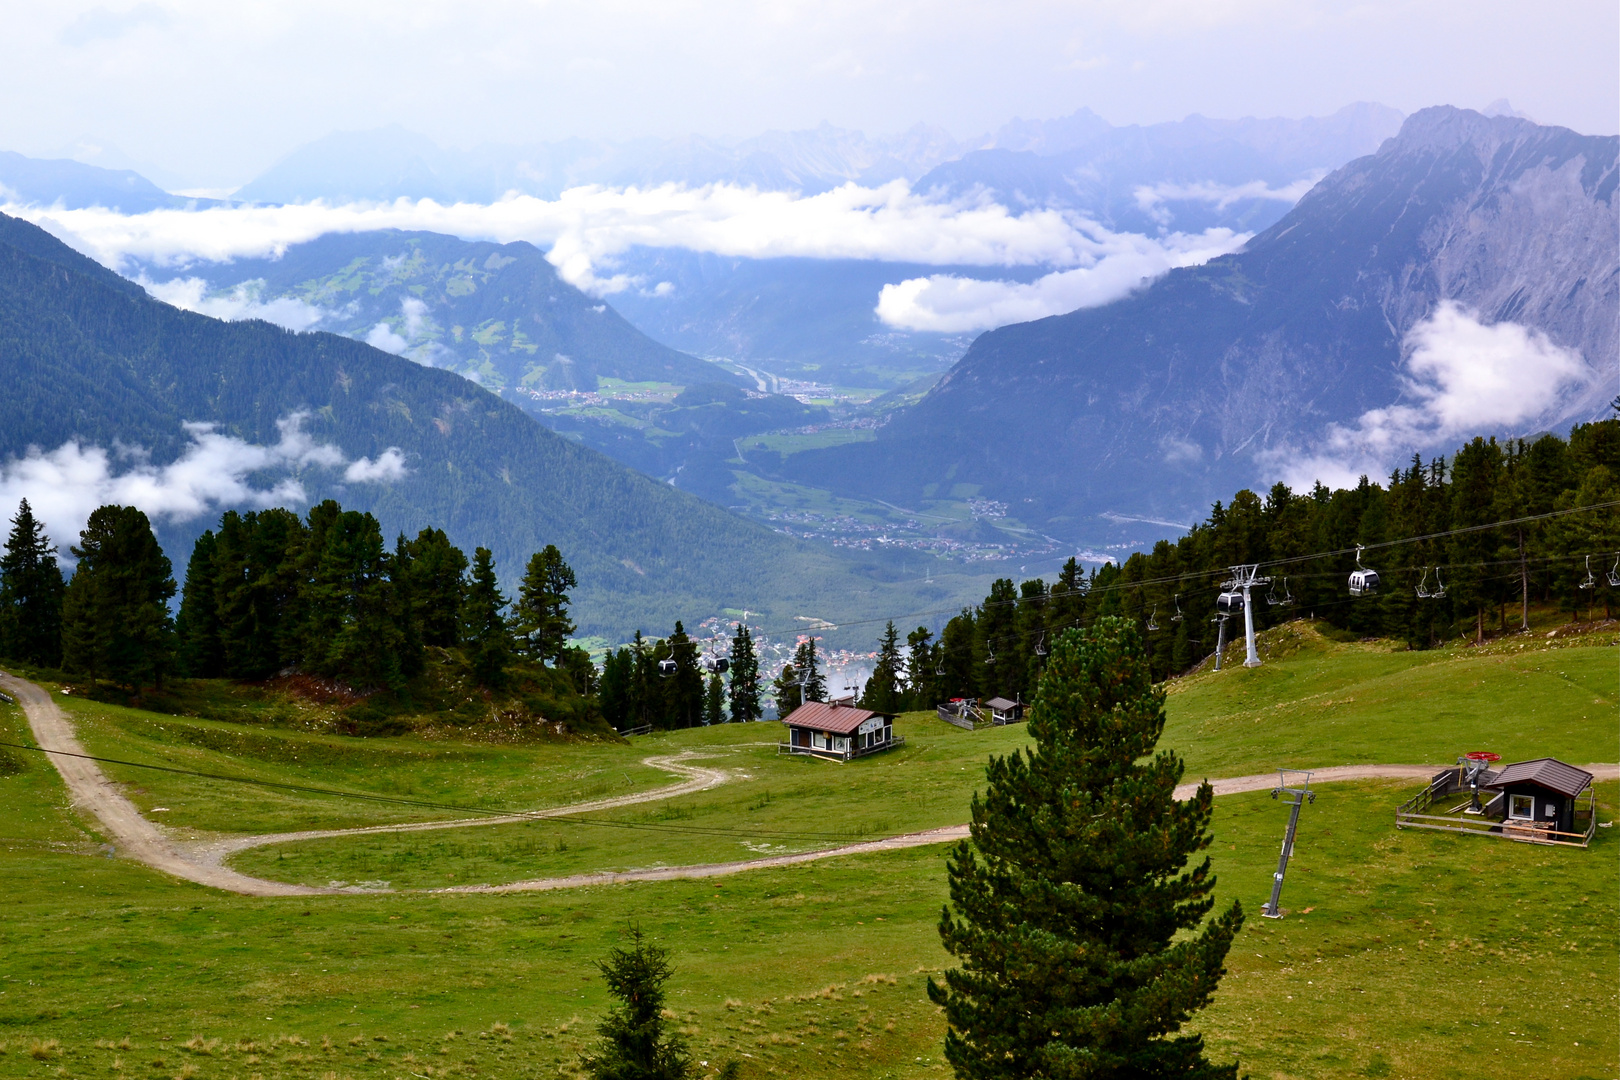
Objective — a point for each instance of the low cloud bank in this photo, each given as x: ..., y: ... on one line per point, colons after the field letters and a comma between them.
x: 1151, y: 198
x: 214, y: 473
x: 1115, y: 265
x: 1463, y: 377
x: 586, y: 228
x: 242, y: 302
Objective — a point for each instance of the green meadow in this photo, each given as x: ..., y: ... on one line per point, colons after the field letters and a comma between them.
x: 1403, y: 954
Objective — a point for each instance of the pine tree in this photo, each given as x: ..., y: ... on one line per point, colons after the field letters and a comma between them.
x: 744, y: 691
x: 684, y: 695
x: 540, y: 615
x: 922, y: 661
x: 615, y: 693
x: 714, y: 701
x: 636, y: 1044
x: 1070, y: 898
x: 484, y: 632
x: 352, y: 623
x: 787, y: 692
x: 436, y: 572
x: 198, y: 630
x: 882, y: 692
x: 115, y: 613
x: 30, y: 593
x: 808, y: 671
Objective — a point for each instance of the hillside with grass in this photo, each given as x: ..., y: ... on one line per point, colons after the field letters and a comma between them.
x: 1402, y: 954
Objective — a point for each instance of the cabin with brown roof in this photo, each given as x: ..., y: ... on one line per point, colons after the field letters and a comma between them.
x: 1003, y: 711
x: 1538, y: 796
x: 838, y: 731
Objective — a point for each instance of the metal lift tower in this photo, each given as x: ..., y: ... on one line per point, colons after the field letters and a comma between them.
x: 1297, y: 796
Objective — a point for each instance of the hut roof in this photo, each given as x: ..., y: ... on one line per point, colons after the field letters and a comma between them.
x: 1001, y: 704
x: 1550, y: 773
x: 833, y: 718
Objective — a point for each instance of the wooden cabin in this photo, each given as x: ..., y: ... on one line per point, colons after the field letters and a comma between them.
x: 1003, y: 711
x: 1537, y: 796
x: 838, y: 730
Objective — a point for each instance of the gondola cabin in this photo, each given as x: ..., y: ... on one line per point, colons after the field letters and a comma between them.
x: 1363, y: 582
x: 838, y: 731
x: 1229, y: 602
x: 1537, y: 796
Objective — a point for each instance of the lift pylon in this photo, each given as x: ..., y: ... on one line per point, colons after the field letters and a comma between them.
x: 1296, y: 797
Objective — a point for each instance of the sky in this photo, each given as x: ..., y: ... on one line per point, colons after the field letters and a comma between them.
x: 209, y: 94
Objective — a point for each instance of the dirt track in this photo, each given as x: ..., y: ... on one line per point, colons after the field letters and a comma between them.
x: 202, y: 862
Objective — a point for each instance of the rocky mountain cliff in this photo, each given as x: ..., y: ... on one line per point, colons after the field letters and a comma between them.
x: 1227, y: 374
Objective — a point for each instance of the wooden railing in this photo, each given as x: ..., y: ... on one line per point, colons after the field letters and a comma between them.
x: 644, y: 729
x: 840, y: 755
x: 968, y: 719
x: 1408, y: 815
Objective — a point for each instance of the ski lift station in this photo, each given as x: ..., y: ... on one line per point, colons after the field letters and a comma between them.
x: 1543, y: 801
x: 838, y: 731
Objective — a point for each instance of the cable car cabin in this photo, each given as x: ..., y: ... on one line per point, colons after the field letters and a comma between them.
x: 1003, y: 711
x: 1229, y: 603
x: 1363, y: 582
x: 838, y: 731
x: 1537, y: 799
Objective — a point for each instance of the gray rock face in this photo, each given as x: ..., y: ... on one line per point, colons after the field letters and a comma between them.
x: 1159, y: 404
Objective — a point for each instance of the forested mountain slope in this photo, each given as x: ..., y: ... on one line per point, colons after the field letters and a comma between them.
x: 1219, y: 376
x: 87, y: 356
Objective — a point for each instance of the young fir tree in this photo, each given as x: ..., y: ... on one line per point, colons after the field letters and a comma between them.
x: 30, y: 593
x: 812, y: 682
x: 714, y: 701
x: 615, y: 690
x: 115, y: 611
x: 882, y: 692
x: 1068, y: 902
x: 484, y: 632
x: 744, y: 691
x: 636, y: 1043
x: 540, y: 615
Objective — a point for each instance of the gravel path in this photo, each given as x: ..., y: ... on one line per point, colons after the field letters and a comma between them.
x: 202, y: 862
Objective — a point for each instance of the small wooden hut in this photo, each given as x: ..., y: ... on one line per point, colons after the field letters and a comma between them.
x: 838, y: 731
x: 1539, y: 795
x: 1003, y: 711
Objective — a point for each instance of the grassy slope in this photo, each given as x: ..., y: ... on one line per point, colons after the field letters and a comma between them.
x: 1416, y: 958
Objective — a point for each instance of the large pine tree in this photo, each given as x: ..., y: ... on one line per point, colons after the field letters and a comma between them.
x: 30, y: 593
x: 1070, y: 898
x: 744, y: 689
x: 882, y: 690
x: 484, y: 631
x: 540, y: 615
x: 115, y: 613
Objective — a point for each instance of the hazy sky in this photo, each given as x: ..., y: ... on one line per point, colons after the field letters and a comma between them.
x: 213, y: 92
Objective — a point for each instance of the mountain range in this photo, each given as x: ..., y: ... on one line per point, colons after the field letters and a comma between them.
x: 1387, y: 304
x: 92, y: 361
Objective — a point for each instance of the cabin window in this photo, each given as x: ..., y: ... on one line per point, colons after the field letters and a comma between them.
x: 1521, y: 806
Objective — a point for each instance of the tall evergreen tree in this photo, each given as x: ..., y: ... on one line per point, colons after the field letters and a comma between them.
x: 115, y: 613
x: 1069, y: 900
x: 484, y: 631
x: 714, y: 701
x: 352, y: 622
x: 883, y: 692
x: 636, y: 1043
x: 615, y: 693
x: 540, y: 615
x: 808, y: 670
x: 436, y: 572
x: 684, y: 694
x: 922, y: 661
x: 786, y: 690
x: 30, y: 593
x: 198, y: 630
x: 744, y: 690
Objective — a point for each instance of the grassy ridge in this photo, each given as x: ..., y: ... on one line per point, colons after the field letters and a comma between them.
x: 1404, y: 953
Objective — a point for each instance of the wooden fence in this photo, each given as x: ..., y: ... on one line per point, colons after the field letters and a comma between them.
x: 1409, y: 815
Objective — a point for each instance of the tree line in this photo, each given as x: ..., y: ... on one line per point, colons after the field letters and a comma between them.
x: 1478, y: 581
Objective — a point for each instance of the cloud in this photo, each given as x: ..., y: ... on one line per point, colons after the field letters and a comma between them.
x: 382, y: 337
x: 213, y: 472
x: 100, y: 24
x: 1464, y: 378
x: 1117, y: 264
x: 585, y: 228
x: 1150, y: 198
x: 242, y: 302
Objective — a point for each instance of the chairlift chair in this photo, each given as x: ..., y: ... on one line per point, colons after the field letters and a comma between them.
x: 1590, y: 581
x: 990, y: 654
x: 1177, y: 601
x: 1614, y: 575
x: 1279, y: 601
x: 1423, y: 585
x: 1363, y: 582
x: 1040, y: 644
x: 1439, y: 587
x: 1153, y: 623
